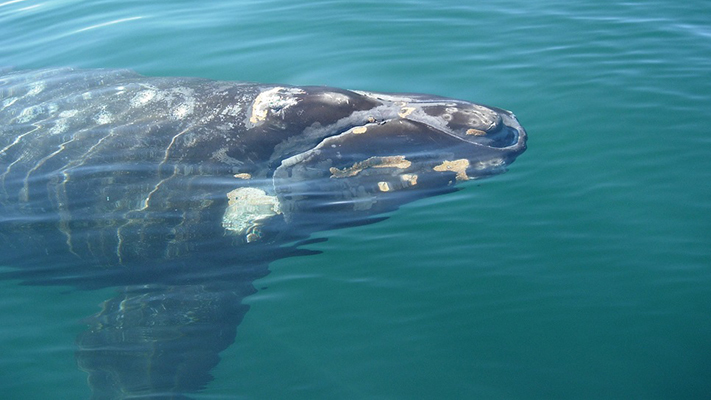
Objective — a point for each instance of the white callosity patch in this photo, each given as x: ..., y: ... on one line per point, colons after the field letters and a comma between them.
x: 475, y: 132
x: 275, y: 101
x: 480, y: 116
x: 384, y: 186
x: 398, y: 162
x: 405, y: 181
x: 246, y: 209
x: 457, y: 166
x: 477, y: 119
x: 405, y: 111
x: 410, y: 179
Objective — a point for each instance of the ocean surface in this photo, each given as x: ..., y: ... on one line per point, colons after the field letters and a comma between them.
x: 584, y: 272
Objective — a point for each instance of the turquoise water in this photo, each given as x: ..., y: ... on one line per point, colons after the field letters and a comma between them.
x: 583, y: 272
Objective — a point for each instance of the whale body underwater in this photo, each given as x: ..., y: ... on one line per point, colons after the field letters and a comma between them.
x: 181, y: 191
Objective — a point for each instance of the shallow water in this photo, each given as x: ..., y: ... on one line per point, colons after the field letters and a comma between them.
x: 583, y: 272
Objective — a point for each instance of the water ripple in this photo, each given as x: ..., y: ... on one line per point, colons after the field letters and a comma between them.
x: 101, y: 25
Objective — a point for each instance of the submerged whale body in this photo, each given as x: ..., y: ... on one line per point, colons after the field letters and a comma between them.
x: 182, y: 190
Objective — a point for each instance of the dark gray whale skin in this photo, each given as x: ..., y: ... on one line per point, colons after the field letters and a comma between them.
x: 182, y: 191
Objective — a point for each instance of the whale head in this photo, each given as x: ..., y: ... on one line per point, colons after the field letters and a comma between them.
x: 354, y: 154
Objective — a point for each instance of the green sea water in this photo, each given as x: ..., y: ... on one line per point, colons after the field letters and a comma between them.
x: 584, y: 272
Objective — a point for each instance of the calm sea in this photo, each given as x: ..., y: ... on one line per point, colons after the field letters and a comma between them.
x: 583, y: 273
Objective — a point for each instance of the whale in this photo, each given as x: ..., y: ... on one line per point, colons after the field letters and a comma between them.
x: 179, y: 192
